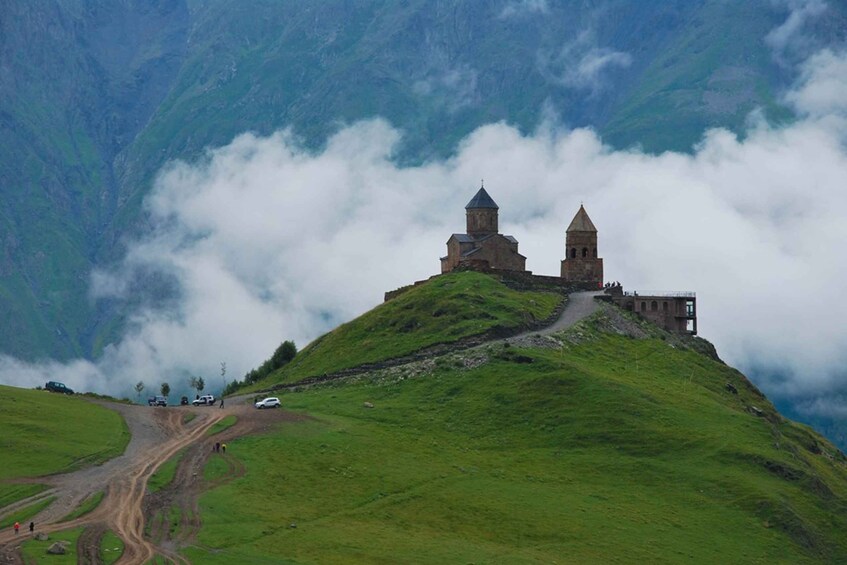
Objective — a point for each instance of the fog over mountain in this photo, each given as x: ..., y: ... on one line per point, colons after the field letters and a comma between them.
x: 271, y: 236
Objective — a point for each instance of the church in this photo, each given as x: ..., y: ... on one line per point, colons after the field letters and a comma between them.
x: 484, y: 247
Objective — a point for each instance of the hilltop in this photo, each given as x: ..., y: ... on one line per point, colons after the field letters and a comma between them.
x: 612, y: 440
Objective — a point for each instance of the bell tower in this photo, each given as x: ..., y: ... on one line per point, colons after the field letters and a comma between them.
x: 481, y: 215
x: 581, y: 263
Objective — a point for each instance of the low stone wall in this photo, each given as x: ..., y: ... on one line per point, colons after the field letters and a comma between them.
x: 516, y: 280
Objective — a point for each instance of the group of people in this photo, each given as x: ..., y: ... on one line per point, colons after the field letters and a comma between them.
x: 18, y: 527
x: 219, y: 447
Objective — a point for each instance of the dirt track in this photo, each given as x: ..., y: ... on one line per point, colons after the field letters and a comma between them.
x: 127, y: 509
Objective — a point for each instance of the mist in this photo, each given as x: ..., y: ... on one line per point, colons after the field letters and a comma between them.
x: 265, y: 240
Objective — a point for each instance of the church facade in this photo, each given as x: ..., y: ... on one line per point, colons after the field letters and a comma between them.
x: 482, y: 246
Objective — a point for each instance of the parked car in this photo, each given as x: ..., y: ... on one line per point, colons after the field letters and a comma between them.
x: 269, y: 402
x: 53, y: 386
x: 157, y: 401
x: 183, y: 401
x: 205, y: 400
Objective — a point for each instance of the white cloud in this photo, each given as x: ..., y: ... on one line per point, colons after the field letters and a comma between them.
x: 455, y: 87
x: 581, y: 64
x: 788, y: 37
x: 523, y: 7
x: 821, y: 90
x: 267, y: 241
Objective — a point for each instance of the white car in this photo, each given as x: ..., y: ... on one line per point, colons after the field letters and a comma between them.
x: 205, y: 400
x: 269, y: 402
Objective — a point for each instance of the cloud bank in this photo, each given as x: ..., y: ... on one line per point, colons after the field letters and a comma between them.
x: 266, y: 241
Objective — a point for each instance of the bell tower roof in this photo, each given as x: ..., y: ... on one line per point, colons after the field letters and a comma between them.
x: 581, y: 222
x: 482, y: 200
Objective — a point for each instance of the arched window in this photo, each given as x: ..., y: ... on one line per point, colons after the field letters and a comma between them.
x: 654, y: 306
x: 584, y: 252
x: 595, y: 252
x: 573, y: 253
x: 665, y: 305
x: 643, y: 306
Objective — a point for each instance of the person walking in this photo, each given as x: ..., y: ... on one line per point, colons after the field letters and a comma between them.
x: 31, y: 527
x: 17, y: 527
x: 223, y: 447
x: 222, y: 402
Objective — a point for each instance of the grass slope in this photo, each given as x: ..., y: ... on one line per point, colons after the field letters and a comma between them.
x: 46, y: 433
x: 603, y: 449
x: 442, y: 310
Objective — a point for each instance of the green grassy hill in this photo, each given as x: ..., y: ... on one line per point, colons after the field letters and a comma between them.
x: 613, y: 442
x: 45, y: 433
x: 443, y: 310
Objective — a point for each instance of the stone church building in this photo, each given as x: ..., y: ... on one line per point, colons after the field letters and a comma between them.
x: 482, y: 246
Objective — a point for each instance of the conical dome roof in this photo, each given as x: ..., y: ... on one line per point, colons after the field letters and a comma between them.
x: 482, y: 200
x: 581, y: 222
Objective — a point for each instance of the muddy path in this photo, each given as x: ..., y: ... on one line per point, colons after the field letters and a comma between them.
x: 173, y: 512
x: 157, y: 524
x: 156, y: 434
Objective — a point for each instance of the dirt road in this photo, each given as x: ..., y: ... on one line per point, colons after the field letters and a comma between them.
x: 138, y: 517
x: 157, y: 434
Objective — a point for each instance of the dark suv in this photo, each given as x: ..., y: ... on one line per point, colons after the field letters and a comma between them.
x: 157, y: 401
x: 53, y: 386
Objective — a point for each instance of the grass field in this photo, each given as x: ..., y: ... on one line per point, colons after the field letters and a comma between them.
x: 35, y: 551
x: 47, y: 433
x: 607, y: 450
x: 111, y: 548
x: 165, y: 473
x: 442, y: 310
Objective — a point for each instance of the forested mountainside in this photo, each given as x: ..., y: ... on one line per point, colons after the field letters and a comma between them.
x: 96, y: 96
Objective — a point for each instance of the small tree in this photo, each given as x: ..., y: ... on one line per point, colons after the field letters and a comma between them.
x: 200, y: 384
x: 283, y: 354
x: 139, y: 387
x: 166, y: 389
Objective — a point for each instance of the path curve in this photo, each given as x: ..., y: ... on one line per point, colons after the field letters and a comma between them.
x: 580, y: 306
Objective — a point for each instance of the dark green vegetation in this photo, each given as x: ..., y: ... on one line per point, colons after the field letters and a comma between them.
x: 283, y: 355
x: 69, y: 433
x: 603, y: 448
x: 442, y: 310
x: 96, y: 97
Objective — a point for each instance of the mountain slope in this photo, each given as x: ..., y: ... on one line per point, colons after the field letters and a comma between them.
x: 612, y: 442
x: 96, y: 97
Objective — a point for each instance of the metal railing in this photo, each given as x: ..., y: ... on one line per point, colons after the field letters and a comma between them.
x: 661, y: 294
